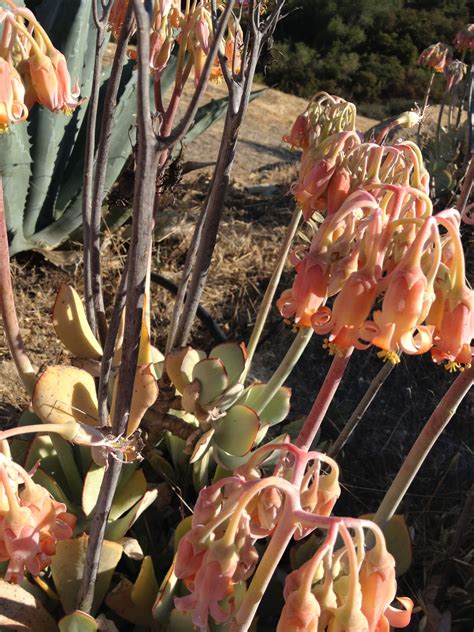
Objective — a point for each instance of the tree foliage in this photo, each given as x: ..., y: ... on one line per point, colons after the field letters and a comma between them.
x: 364, y: 50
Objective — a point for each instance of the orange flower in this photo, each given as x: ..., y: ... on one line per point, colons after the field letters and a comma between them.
x: 407, y: 300
x: 309, y: 289
x: 435, y: 56
x: 12, y: 94
x: 379, y: 587
x: 51, y: 82
x: 299, y: 133
x: 31, y: 522
x: 452, y: 314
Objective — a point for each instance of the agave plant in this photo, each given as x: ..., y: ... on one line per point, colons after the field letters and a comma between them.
x: 41, y: 161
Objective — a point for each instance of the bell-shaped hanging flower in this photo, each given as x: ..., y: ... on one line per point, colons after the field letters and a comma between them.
x: 453, y: 310
x: 309, y: 291
x: 454, y: 73
x: 407, y: 300
x: 464, y: 40
x: 12, y: 96
x: 435, y: 57
x: 31, y: 522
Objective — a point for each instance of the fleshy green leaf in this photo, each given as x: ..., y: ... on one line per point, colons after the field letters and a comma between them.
x: 277, y: 408
x: 117, y: 529
x: 237, y: 431
x: 213, y: 379
x: 67, y: 568
x: 233, y: 356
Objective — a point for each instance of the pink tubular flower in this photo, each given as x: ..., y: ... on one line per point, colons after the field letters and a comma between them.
x: 51, y: 81
x: 299, y: 133
x: 379, y: 588
x: 12, y: 95
x: 300, y: 613
x: 31, y: 522
x: 407, y: 301
x: 309, y: 290
x: 452, y: 314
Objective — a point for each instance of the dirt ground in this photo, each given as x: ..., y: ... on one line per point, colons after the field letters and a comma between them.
x: 256, y: 214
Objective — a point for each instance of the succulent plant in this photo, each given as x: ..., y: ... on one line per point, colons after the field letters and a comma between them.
x: 225, y: 410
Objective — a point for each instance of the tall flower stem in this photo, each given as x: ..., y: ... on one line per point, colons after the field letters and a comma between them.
x: 200, y: 255
x: 466, y: 190
x: 8, y: 311
x: 427, y: 438
x: 137, y: 260
x: 323, y: 400
x: 94, y: 300
x: 103, y: 150
x: 361, y: 409
x: 286, y: 366
x: 425, y: 105
x: 271, y: 289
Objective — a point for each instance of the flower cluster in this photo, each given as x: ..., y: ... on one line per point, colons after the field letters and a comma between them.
x: 337, y: 587
x: 191, y: 29
x: 349, y: 588
x: 435, y: 57
x: 379, y: 251
x: 31, y: 522
x: 325, y: 115
x: 464, y: 40
x: 31, y: 69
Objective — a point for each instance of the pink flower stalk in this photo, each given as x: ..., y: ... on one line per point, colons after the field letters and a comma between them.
x: 31, y: 522
x: 339, y: 589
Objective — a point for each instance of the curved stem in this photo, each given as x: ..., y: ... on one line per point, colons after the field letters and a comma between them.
x: 8, y: 311
x: 361, y: 409
x: 422, y: 446
x: 288, y: 363
x: 271, y: 289
x: 323, y: 400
